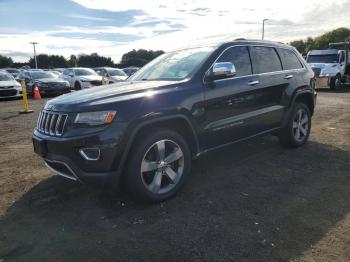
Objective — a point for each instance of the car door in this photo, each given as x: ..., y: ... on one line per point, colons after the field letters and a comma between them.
x: 229, y: 101
x: 272, y: 83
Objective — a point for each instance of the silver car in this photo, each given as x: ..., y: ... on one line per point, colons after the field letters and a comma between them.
x: 9, y: 87
x: 80, y: 77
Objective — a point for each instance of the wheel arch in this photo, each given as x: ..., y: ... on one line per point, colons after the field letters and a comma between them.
x: 179, y: 123
x: 305, y: 96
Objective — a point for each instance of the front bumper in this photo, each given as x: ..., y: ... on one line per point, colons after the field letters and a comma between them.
x: 322, y: 81
x: 54, y: 90
x: 62, y: 156
x: 10, y: 92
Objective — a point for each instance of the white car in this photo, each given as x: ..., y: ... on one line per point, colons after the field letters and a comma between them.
x: 9, y: 87
x: 80, y: 78
x: 112, y: 74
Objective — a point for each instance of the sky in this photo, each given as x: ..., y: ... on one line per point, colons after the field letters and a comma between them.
x: 114, y: 27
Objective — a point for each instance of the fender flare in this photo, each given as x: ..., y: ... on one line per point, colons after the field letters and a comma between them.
x: 297, y: 94
x: 147, y: 122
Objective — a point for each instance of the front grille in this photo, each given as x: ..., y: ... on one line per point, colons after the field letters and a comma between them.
x: 10, y: 92
x: 51, y: 123
x: 6, y: 87
x: 317, y: 71
x: 96, y: 83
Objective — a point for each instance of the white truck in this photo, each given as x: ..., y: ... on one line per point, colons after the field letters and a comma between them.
x: 331, y: 66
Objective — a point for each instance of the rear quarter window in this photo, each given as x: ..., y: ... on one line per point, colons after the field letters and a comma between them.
x: 265, y: 60
x: 290, y: 60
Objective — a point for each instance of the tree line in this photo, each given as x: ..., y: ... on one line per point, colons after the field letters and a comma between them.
x: 341, y: 34
x: 133, y: 58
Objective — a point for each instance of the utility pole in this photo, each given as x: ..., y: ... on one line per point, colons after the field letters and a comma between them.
x: 36, y: 63
x: 263, y: 28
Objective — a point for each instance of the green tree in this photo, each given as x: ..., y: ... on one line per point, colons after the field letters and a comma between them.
x: 321, y: 42
x: 48, y: 61
x: 5, y: 61
x: 94, y: 60
x: 139, y: 57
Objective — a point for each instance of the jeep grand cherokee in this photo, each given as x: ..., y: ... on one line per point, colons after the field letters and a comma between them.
x: 179, y: 106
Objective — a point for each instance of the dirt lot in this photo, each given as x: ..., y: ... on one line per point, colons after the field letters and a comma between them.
x: 253, y: 201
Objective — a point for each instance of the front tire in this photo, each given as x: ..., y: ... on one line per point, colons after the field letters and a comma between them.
x: 335, y: 84
x: 297, y: 131
x: 77, y: 86
x: 158, y: 166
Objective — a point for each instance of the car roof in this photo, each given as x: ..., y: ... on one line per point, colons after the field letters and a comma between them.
x: 324, y: 52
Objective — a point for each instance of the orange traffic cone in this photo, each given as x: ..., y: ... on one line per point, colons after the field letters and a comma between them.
x: 37, y: 95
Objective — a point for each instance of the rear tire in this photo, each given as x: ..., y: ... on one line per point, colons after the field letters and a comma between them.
x: 158, y: 165
x: 297, y: 131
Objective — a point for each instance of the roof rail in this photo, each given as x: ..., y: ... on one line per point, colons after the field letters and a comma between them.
x: 239, y: 39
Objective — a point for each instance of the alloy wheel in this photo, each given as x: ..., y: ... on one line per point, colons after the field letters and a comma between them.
x: 300, y: 125
x: 162, y: 166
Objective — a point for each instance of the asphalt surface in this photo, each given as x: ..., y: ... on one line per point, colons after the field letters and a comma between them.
x: 253, y: 201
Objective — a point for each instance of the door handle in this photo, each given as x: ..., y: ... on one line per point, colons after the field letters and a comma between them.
x: 288, y: 77
x: 253, y: 83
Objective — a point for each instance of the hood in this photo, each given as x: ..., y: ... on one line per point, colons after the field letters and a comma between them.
x: 9, y: 83
x: 322, y: 65
x: 92, y: 98
x: 50, y: 80
x: 90, y: 77
x: 118, y: 78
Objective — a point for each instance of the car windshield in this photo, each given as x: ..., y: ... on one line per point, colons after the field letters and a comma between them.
x: 174, y: 65
x: 116, y: 72
x: 41, y: 74
x: 5, y: 77
x: 84, y: 72
x: 12, y: 71
x: 322, y: 59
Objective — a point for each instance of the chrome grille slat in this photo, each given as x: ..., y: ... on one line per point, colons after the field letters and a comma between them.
x: 47, y: 124
x: 51, y: 123
x: 58, y: 124
x: 39, y: 120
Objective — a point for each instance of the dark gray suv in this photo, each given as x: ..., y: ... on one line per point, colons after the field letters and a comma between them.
x: 145, y: 131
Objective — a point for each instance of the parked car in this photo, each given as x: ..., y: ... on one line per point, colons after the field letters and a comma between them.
x: 59, y: 70
x: 80, y: 78
x: 56, y: 73
x: 9, y: 87
x: 113, y: 74
x: 47, y: 82
x: 13, y: 71
x: 130, y: 70
x: 185, y: 103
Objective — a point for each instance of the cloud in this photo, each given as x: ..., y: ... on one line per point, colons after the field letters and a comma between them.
x: 112, y: 28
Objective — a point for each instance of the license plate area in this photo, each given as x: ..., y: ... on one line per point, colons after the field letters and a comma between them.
x: 39, y: 146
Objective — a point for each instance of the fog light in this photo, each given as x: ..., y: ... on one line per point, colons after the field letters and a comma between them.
x: 91, y: 154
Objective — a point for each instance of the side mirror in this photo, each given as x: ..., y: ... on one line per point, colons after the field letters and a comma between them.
x: 222, y: 70
x: 70, y: 75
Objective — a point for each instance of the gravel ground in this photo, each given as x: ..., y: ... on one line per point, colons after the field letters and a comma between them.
x: 253, y: 201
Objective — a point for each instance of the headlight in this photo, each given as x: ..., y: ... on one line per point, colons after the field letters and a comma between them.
x: 95, y: 118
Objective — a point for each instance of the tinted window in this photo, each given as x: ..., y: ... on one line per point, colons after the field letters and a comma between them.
x: 265, y: 59
x: 239, y: 56
x: 290, y: 60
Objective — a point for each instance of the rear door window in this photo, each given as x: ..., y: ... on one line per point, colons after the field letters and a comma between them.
x: 239, y: 56
x: 290, y: 60
x: 265, y: 60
